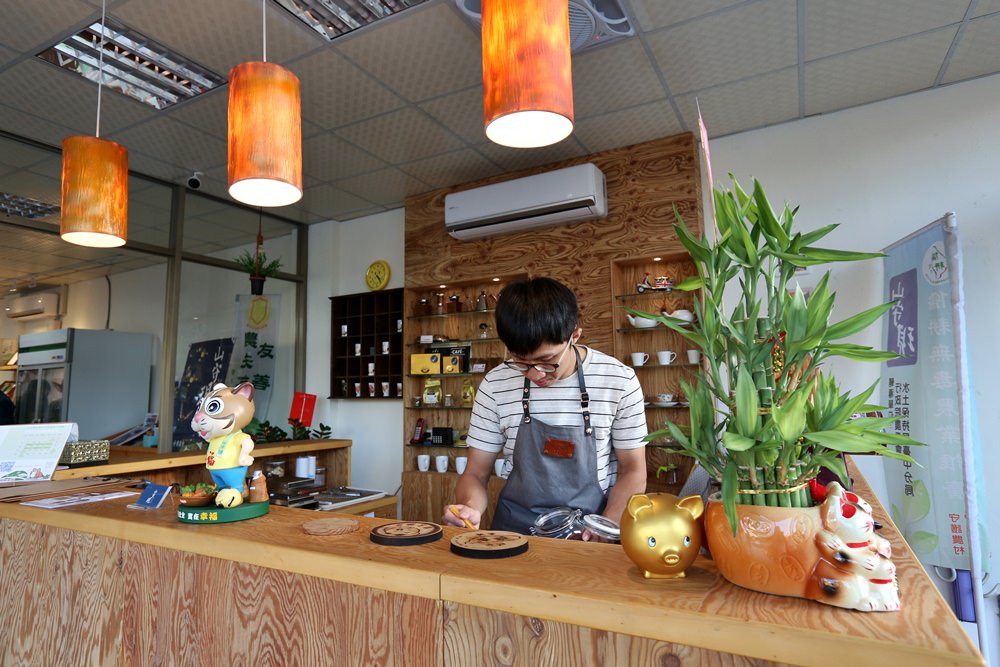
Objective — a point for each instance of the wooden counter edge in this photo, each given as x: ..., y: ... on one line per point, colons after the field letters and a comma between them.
x: 345, y: 569
x: 184, y: 459
x: 778, y: 643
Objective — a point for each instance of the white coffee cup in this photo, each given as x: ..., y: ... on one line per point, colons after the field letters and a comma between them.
x: 665, y: 398
x: 441, y: 463
x: 639, y: 358
x: 460, y: 463
x: 694, y: 356
x: 498, y: 466
x: 423, y: 462
x: 666, y: 357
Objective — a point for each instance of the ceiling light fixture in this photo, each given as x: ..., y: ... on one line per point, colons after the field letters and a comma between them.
x: 527, y: 76
x: 265, y: 132
x: 333, y: 18
x: 94, y: 183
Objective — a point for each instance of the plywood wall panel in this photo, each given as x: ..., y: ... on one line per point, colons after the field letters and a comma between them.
x: 644, y: 182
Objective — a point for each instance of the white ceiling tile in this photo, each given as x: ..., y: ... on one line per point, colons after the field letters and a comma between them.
x: 208, y: 112
x: 461, y: 112
x: 219, y: 34
x: 17, y: 154
x: 62, y: 97
x: 328, y: 158
x: 757, y: 102
x: 613, y: 77
x: 386, y: 187
x: 151, y: 166
x: 175, y: 143
x: 877, y: 73
x: 836, y: 27
x: 32, y: 126
x: 335, y: 92
x: 331, y: 203
x: 747, y: 40
x: 431, y: 53
x: 452, y: 168
x: 652, y: 14
x: 512, y: 159
x: 7, y: 55
x: 401, y: 136
x: 29, y: 184
x: 984, y: 7
x: 35, y: 29
x: 978, y: 50
x: 628, y: 126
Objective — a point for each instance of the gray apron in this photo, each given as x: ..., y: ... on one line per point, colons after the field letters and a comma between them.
x: 539, y: 482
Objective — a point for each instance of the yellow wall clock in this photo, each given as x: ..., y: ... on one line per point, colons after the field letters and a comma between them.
x: 377, y: 276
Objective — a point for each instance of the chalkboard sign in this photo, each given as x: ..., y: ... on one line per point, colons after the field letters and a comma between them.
x: 207, y: 363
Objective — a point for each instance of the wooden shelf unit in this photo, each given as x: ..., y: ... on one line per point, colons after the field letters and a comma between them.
x: 361, y: 325
x: 423, y: 491
x: 655, y: 378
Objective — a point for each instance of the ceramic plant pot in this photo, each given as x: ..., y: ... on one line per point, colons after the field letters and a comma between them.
x: 257, y: 285
x: 826, y: 553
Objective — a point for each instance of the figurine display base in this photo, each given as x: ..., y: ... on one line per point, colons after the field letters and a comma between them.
x: 213, y: 514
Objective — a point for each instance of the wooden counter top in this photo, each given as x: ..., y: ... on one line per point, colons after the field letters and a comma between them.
x: 127, y: 460
x: 591, y: 585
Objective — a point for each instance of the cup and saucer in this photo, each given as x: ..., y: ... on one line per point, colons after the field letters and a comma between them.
x: 663, y: 401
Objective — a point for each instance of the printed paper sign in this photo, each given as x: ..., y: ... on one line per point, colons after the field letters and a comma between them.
x: 30, y: 452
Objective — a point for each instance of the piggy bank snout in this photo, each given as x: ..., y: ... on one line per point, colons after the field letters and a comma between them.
x: 671, y: 559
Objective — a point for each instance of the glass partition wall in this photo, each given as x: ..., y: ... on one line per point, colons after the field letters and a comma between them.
x: 176, y: 279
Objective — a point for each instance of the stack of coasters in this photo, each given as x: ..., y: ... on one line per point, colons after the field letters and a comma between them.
x: 405, y: 533
x: 489, y: 544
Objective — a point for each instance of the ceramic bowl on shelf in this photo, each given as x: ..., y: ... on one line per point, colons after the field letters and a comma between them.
x: 196, y: 501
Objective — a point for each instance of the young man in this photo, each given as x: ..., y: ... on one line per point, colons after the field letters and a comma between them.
x: 555, y: 410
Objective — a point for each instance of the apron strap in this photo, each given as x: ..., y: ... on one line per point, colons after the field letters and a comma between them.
x: 584, y: 396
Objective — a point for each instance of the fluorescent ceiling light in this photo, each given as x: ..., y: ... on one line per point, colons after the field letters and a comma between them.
x: 333, y: 18
x: 26, y: 207
x: 133, y: 65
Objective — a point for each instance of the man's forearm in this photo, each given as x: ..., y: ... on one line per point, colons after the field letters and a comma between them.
x: 628, y: 485
x: 471, y: 492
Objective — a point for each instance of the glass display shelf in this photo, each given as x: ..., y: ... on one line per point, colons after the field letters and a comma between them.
x: 465, y: 341
x: 645, y: 366
x: 423, y: 446
x: 455, y: 314
x: 438, y: 407
x: 658, y: 327
x: 442, y: 375
x: 647, y: 294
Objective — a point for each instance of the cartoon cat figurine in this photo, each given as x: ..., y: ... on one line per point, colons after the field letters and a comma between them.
x: 222, y: 414
x: 661, y: 534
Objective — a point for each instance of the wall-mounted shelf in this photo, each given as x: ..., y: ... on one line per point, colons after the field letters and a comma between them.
x: 363, y: 327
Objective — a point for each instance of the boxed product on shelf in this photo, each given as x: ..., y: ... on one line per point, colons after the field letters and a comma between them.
x: 425, y: 364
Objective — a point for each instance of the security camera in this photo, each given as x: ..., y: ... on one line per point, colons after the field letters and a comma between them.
x: 194, y: 180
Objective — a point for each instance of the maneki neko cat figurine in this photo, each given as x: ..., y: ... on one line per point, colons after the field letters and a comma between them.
x: 219, y: 420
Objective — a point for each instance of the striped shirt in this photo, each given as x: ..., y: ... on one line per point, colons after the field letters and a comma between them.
x: 616, y: 409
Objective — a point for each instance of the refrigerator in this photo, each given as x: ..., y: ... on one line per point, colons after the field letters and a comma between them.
x: 96, y: 378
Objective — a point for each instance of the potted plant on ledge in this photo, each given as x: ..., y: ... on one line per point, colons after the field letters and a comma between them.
x: 765, y: 418
x: 259, y: 268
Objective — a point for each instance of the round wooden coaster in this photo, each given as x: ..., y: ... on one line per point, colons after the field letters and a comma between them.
x: 405, y: 533
x: 489, y: 544
x: 331, y: 526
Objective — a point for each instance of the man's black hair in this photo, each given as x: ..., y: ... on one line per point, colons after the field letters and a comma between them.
x: 531, y: 313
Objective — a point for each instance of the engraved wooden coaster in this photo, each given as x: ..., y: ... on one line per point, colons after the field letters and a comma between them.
x: 489, y: 544
x: 405, y: 533
x: 331, y: 526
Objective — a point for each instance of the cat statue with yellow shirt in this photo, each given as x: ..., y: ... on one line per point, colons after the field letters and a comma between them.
x: 219, y: 420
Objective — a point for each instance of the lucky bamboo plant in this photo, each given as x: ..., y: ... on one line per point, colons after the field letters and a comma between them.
x: 764, y: 416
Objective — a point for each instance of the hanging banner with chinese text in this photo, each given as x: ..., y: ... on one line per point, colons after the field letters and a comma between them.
x: 255, y: 341
x: 926, y: 390
x: 207, y: 363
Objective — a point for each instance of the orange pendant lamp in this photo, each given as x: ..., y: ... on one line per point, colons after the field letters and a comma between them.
x: 527, y: 75
x: 265, y: 133
x: 94, y: 208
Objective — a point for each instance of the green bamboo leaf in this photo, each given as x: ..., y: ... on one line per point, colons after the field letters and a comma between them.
x: 796, y: 259
x: 858, y: 322
x: 790, y: 418
x: 811, y: 237
x: 841, y: 441
x: 696, y: 248
x: 735, y: 442
x: 860, y: 353
x: 690, y: 284
x: 831, y: 255
x: 747, y: 404
x: 768, y: 221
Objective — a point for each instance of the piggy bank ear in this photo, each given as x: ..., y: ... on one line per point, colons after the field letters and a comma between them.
x: 638, y: 504
x: 693, y: 504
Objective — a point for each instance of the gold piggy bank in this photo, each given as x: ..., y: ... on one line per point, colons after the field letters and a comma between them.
x: 661, y: 533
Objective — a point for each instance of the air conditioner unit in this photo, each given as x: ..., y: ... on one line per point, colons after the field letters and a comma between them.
x: 33, y: 306
x: 573, y: 194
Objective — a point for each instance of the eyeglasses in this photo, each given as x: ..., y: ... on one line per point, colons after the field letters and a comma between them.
x: 546, y: 368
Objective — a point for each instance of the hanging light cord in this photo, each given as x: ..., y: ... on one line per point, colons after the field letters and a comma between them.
x: 263, y: 20
x: 100, y: 69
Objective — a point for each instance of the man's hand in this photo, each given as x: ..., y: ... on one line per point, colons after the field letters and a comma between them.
x: 449, y: 518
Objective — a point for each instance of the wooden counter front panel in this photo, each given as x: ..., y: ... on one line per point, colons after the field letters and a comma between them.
x: 477, y: 636
x: 71, y: 598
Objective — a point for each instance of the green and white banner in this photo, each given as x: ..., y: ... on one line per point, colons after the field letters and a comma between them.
x: 928, y: 391
x: 255, y: 341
